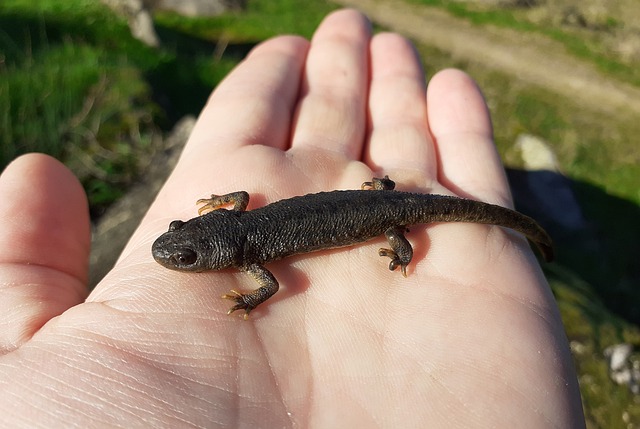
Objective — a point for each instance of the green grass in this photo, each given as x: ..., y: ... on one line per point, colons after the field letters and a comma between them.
x: 593, y: 327
x: 261, y: 19
x: 26, y: 92
x: 70, y: 87
x: 76, y: 85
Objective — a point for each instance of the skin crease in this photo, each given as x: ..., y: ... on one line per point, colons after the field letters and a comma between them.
x: 471, y: 338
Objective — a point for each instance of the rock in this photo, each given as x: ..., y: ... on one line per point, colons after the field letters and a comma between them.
x: 548, y: 197
x: 139, y: 13
x: 198, y: 7
x: 141, y: 26
x: 115, y: 226
x: 623, y: 369
x: 536, y: 153
x: 634, y: 385
x: 577, y: 348
x: 617, y: 355
x: 541, y: 191
x: 139, y: 19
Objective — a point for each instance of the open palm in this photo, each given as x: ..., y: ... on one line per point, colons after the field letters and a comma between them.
x: 471, y: 337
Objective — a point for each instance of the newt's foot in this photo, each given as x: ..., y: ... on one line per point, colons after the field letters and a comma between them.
x: 395, y: 260
x: 239, y: 200
x: 242, y: 303
x: 208, y: 204
x: 377, y: 184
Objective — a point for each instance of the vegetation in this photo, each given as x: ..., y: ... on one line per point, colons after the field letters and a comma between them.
x: 76, y: 85
x: 582, y: 38
x: 73, y: 83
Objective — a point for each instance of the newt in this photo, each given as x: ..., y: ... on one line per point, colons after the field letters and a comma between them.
x: 222, y: 238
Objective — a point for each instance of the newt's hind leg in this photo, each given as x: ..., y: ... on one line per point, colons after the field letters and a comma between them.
x: 401, y: 251
x: 377, y: 184
x: 239, y: 199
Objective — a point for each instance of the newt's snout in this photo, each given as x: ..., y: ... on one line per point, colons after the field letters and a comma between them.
x: 175, y: 256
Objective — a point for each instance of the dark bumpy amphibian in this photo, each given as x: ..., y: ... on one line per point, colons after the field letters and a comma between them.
x: 249, y: 239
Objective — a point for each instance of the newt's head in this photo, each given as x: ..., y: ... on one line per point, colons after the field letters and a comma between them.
x: 200, y: 244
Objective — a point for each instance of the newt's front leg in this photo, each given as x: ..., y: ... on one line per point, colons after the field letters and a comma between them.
x: 240, y: 201
x: 249, y: 301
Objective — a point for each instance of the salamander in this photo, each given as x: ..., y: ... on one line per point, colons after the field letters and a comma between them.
x: 247, y: 240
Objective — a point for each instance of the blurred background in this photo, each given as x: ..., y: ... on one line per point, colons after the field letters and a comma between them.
x: 112, y: 88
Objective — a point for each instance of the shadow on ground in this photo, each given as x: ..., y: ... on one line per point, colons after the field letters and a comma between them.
x: 597, y: 235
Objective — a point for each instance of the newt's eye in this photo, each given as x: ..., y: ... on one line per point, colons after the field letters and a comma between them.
x: 184, y: 257
x: 176, y: 224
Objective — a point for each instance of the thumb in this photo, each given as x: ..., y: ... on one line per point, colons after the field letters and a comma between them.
x: 44, y: 246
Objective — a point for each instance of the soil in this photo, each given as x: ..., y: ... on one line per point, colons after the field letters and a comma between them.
x: 529, y: 57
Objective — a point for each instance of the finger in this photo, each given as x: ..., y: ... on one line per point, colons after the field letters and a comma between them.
x: 399, y: 135
x: 254, y: 104
x: 469, y: 164
x: 44, y: 246
x: 331, y: 113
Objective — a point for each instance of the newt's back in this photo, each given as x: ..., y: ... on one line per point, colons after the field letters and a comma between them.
x: 340, y: 218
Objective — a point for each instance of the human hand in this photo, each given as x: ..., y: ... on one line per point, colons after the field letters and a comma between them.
x: 471, y: 337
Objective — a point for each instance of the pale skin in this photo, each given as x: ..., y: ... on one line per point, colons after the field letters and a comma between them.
x: 471, y: 338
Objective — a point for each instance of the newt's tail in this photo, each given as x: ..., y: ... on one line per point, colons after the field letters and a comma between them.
x: 453, y: 209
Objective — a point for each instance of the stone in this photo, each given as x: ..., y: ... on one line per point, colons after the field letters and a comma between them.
x: 536, y: 153
x: 139, y: 19
x: 198, y: 7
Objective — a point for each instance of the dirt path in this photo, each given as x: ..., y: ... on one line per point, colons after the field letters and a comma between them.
x: 531, y: 58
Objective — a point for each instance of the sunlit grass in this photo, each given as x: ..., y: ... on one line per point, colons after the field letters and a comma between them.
x: 76, y: 85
